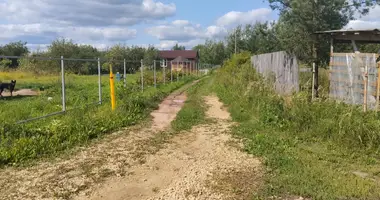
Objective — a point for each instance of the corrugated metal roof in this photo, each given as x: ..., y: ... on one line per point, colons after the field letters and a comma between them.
x: 349, y: 31
x: 188, y: 54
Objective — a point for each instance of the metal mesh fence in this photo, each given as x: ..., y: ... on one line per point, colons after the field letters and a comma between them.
x: 58, y: 85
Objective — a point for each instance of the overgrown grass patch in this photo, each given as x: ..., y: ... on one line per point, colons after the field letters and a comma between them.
x: 20, y: 143
x: 193, y: 112
x: 315, y: 150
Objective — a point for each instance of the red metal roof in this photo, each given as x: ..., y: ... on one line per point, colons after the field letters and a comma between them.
x: 188, y: 54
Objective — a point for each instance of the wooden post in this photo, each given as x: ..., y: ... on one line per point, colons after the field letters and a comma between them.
x: 315, y: 85
x: 365, y: 88
x: 378, y: 86
x: 313, y: 91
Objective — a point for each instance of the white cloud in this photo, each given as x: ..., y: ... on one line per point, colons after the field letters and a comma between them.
x: 216, y: 31
x: 369, y: 21
x: 77, y: 33
x: 362, y: 25
x: 234, y: 18
x: 168, y: 44
x: 184, y: 31
x: 188, y: 34
x: 97, y: 22
x: 85, y: 12
x: 179, y: 30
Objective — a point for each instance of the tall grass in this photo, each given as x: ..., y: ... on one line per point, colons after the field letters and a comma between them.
x: 310, y: 148
x: 20, y: 143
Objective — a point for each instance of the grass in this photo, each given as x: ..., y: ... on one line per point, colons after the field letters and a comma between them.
x: 310, y: 149
x: 193, y: 112
x: 24, y: 142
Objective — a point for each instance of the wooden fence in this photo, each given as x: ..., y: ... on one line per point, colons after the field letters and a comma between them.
x: 280, y: 69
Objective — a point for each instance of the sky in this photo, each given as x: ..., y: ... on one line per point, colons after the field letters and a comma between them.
x: 162, y: 23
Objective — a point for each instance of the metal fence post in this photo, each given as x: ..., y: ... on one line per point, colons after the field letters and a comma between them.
x: 171, y: 64
x: 191, y: 68
x: 171, y: 73
x: 142, y: 75
x: 188, y: 68
x: 154, y: 74
x: 125, y: 74
x: 99, y: 82
x: 163, y: 66
x: 63, y: 85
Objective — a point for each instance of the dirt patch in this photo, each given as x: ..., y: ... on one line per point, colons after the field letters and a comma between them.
x: 216, y: 108
x: 113, y: 156
x: 21, y: 92
x: 199, y: 164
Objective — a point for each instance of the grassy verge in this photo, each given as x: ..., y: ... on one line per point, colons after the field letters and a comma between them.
x: 21, y: 143
x: 319, y: 150
x: 193, y: 112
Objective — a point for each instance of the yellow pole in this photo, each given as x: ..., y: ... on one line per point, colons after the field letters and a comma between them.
x: 112, y: 85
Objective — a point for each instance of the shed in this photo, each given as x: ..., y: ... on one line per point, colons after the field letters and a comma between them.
x: 354, y: 77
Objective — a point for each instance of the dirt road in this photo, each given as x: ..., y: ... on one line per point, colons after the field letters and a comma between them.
x: 204, y: 163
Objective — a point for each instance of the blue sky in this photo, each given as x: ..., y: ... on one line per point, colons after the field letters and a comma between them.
x: 161, y: 23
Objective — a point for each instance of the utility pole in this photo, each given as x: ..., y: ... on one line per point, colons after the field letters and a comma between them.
x: 235, y: 40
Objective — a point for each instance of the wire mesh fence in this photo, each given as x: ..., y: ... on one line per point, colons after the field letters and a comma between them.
x: 47, y: 87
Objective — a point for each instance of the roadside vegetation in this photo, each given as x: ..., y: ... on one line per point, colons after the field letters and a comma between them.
x: 318, y: 150
x: 22, y: 142
x: 193, y: 112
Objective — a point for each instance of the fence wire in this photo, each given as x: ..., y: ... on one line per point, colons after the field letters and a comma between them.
x: 71, y: 84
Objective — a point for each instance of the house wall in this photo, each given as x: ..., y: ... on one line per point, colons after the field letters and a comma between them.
x: 183, y: 66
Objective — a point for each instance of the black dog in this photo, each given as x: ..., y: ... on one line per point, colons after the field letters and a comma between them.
x: 10, y: 86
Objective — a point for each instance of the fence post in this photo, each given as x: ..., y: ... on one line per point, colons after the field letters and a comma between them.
x: 125, y: 74
x: 196, y: 68
x: 100, y: 82
x: 365, y: 88
x: 112, y: 89
x: 142, y: 75
x: 63, y: 85
x: 171, y: 73
x: 378, y: 86
x: 313, y: 83
x: 177, y: 72
x: 163, y: 66
x: 154, y: 73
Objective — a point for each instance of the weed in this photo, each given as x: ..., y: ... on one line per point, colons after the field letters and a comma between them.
x: 20, y: 143
x: 193, y: 112
x: 309, y: 148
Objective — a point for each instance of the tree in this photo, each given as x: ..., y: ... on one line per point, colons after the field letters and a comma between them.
x: 178, y: 47
x: 69, y: 49
x: 151, y: 54
x: 13, y: 49
x: 299, y: 19
x: 256, y: 38
x: 212, y: 52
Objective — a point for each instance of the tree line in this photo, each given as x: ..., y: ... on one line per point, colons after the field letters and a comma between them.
x: 68, y: 49
x: 293, y: 32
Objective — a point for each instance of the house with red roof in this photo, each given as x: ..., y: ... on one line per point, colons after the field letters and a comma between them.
x: 180, y: 60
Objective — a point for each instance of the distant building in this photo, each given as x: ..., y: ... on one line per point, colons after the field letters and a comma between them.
x: 180, y: 60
